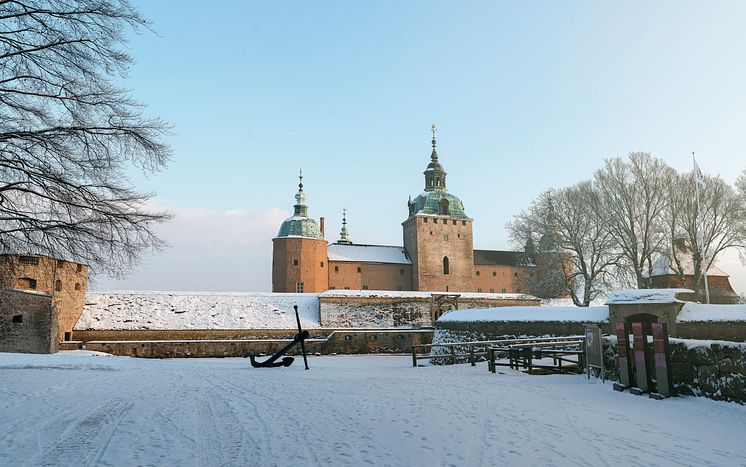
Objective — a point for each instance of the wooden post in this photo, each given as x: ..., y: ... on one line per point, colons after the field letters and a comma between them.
x: 471, y: 355
x: 491, y: 359
x: 414, y: 356
x: 453, y: 355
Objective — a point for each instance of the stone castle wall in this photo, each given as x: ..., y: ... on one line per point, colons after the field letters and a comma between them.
x: 716, y: 370
x: 29, y: 322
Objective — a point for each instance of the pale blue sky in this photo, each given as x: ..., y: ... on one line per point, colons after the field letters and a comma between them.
x: 526, y: 95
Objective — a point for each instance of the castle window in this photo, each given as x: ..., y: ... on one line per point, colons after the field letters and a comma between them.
x: 79, y: 268
x: 68, y: 336
x: 445, y: 237
x: 424, y: 219
x: 477, y: 273
x: 463, y: 222
x: 492, y: 290
x: 332, y: 288
x: 336, y: 268
x: 33, y: 260
x: 431, y: 232
x: 17, y: 318
x: 347, y: 288
x: 60, y: 263
x: 299, y: 287
x: 503, y: 291
x: 435, y: 221
x: 454, y: 221
x: 479, y: 290
x: 365, y: 287
x: 446, y: 288
x: 26, y: 283
x: 295, y: 262
x: 322, y: 264
x: 446, y: 266
x: 459, y: 235
x: 494, y: 273
x: 444, y: 208
x: 77, y: 286
x: 359, y: 269
x: 58, y: 285
x: 401, y: 272
x: 515, y: 274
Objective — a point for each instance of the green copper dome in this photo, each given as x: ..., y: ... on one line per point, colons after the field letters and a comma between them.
x: 435, y: 199
x: 438, y: 202
x: 300, y: 225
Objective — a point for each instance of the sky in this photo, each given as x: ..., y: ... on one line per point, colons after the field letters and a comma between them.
x: 526, y: 96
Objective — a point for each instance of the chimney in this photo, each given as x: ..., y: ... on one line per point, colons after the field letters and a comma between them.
x: 321, y: 224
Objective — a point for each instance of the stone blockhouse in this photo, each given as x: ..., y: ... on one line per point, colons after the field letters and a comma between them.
x: 64, y: 280
x: 437, y: 254
x: 29, y: 321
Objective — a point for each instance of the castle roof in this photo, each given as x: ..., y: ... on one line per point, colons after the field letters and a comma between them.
x: 368, y: 253
x: 502, y: 258
x: 429, y: 202
x: 299, y: 224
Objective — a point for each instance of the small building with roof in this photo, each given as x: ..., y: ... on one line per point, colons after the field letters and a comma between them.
x: 437, y: 256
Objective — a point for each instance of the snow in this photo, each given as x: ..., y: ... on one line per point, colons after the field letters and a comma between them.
x: 593, y: 314
x: 77, y: 408
x: 194, y: 310
x: 621, y: 297
x: 368, y: 253
x: 409, y: 294
x: 662, y: 267
x: 694, y: 343
x: 704, y: 312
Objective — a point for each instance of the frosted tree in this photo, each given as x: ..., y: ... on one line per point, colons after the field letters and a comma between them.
x: 633, y: 198
x: 68, y: 134
x: 576, y: 255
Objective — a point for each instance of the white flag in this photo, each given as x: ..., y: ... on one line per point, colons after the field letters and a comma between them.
x: 698, y: 177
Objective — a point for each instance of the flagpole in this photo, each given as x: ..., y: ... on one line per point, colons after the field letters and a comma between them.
x: 700, y: 231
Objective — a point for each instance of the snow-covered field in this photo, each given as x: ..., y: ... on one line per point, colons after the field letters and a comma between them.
x: 79, y: 408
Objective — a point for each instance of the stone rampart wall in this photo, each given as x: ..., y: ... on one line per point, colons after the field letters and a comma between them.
x: 336, y: 342
x: 716, y: 370
x: 351, y: 312
x: 721, y: 330
x: 446, y: 332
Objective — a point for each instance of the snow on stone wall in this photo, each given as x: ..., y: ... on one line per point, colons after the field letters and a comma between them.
x: 699, y: 312
x: 193, y: 310
x: 622, y: 297
x: 386, y: 313
x: 594, y: 314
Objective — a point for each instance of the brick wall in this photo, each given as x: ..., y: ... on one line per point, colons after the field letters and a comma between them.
x: 501, y: 279
x: 297, y: 259
x: 372, y: 276
x: 428, y: 239
x: 29, y: 322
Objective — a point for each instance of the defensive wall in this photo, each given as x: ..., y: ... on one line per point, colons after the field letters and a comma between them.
x: 321, y: 341
x: 29, y: 322
x: 713, y: 369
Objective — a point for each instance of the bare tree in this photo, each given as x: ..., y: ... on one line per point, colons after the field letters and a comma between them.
x: 67, y: 134
x: 576, y: 251
x: 718, y: 225
x: 633, y: 199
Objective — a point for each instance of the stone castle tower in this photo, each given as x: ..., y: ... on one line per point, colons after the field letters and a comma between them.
x: 438, y: 235
x: 299, y: 252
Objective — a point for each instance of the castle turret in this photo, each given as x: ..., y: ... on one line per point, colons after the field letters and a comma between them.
x: 438, y: 235
x: 344, y: 235
x: 299, y: 254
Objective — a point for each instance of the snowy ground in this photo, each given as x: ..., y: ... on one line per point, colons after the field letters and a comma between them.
x: 79, y: 408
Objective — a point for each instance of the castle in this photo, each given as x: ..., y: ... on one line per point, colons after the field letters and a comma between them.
x: 438, y: 254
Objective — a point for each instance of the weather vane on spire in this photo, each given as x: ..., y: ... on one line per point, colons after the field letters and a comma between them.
x: 433, y: 130
x: 300, y: 177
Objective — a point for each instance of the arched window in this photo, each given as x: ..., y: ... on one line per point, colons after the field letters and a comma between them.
x: 444, y: 207
x: 446, y: 266
x: 58, y: 285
